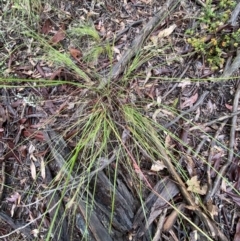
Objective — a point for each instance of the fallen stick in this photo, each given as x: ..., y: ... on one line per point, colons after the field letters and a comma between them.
x: 231, y: 147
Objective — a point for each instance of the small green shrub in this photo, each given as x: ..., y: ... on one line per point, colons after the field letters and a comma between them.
x: 215, y: 40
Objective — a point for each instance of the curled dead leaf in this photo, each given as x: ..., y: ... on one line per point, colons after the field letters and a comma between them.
x: 15, y: 198
x: 12, y: 209
x: 35, y: 232
x: 47, y: 26
x: 75, y: 53
x: 171, y: 219
x: 59, y: 36
x: 33, y: 170
x: 190, y: 101
x: 213, y: 209
x: 157, y: 166
x: 229, y: 107
x: 43, y: 171
x: 168, y: 141
x: 194, y: 186
x: 166, y: 32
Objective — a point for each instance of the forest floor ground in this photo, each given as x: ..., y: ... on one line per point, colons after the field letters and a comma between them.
x: 119, y: 120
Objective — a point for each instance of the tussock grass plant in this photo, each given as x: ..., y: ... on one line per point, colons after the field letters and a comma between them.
x: 100, y: 127
x: 99, y: 132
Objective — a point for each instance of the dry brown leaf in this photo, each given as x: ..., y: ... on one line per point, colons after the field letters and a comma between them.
x: 148, y: 76
x: 31, y: 149
x: 212, y: 209
x: 166, y: 32
x: 161, y: 113
x: 92, y: 13
x: 194, y: 186
x: 15, y: 198
x: 190, y: 165
x: 237, y: 234
x: 35, y: 232
x: 47, y: 26
x: 171, y: 219
x: 59, y: 36
x: 12, y: 209
x: 168, y: 141
x: 223, y: 186
x: 116, y: 50
x: 70, y: 203
x: 229, y: 107
x: 33, y: 170
x: 190, y: 101
x: 3, y: 116
x: 43, y: 171
x: 154, y: 39
x: 192, y: 208
x: 146, y: 1
x: 157, y: 166
x: 76, y: 54
x: 184, y: 83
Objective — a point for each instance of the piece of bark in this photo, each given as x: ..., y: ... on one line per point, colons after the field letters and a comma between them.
x: 122, y: 210
x: 24, y: 231
x: 154, y: 201
x: 98, y: 230
x: 154, y: 204
x: 59, y: 230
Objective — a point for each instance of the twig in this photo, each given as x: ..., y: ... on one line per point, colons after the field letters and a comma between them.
x: 222, y: 118
x: 234, y: 17
x: 199, y: 147
x: 232, y: 68
x: 120, y: 66
x: 194, y: 107
x: 231, y: 146
x: 161, y: 220
x: 3, y: 180
x: 119, y: 34
x: 200, y: 2
x: 176, y: 84
x: 210, y: 156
